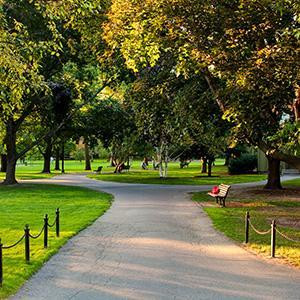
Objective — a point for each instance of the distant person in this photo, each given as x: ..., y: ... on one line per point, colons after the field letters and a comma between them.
x: 144, y: 164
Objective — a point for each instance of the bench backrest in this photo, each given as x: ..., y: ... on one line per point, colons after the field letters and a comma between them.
x: 224, y: 190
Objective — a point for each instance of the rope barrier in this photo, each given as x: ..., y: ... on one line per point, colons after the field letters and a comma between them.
x: 37, y: 236
x: 52, y: 224
x: 272, y: 230
x: 257, y: 231
x: 287, y: 237
x: 26, y: 236
x: 15, y: 244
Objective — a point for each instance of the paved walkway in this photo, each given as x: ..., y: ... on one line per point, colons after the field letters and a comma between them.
x: 154, y: 243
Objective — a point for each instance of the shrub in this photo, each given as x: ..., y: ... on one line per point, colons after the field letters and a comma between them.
x: 242, y: 165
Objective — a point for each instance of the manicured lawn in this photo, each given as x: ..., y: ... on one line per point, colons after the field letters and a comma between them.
x: 190, y: 176
x: 33, y: 169
x: 27, y: 204
x: 263, y: 206
x: 292, y: 183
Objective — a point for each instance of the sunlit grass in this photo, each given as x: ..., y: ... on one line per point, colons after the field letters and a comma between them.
x: 189, y: 176
x: 33, y: 169
x: 27, y: 204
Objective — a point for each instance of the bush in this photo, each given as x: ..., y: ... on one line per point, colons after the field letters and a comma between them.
x: 78, y: 154
x: 242, y: 165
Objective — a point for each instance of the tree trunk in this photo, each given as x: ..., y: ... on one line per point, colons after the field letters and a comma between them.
x: 63, y: 157
x: 47, y: 157
x: 227, y: 158
x: 87, y: 156
x: 204, y: 165
x: 166, y: 164
x: 57, y: 168
x: 159, y: 161
x: 209, y: 167
x: 11, y: 148
x: 112, y: 161
x: 3, y: 163
x: 274, y: 182
x: 161, y: 170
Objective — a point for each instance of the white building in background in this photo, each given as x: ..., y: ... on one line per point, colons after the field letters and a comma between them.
x: 263, y: 165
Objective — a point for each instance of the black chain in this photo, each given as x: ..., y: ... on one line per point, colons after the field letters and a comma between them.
x: 15, y: 244
x: 52, y: 224
x: 37, y: 236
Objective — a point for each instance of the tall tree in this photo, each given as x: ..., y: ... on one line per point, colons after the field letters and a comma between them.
x: 36, y: 38
x: 23, y: 44
x: 253, y: 46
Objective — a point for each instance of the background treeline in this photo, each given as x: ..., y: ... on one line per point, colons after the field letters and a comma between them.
x: 163, y: 80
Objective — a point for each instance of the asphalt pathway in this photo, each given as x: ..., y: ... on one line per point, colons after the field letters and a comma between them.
x: 155, y: 243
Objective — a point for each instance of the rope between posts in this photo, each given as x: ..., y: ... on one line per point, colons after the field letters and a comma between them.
x: 287, y: 237
x: 257, y: 231
x: 52, y: 224
x: 37, y: 236
x: 15, y: 244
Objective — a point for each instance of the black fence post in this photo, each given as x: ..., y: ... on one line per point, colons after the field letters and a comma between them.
x: 27, y: 243
x: 273, y: 238
x: 46, y: 231
x: 57, y: 222
x: 247, y: 217
x: 1, y: 264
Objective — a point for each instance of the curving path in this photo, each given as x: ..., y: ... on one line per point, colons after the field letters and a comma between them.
x: 154, y: 243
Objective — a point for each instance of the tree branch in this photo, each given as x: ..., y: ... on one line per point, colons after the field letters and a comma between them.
x: 52, y: 132
x: 277, y: 154
x: 26, y: 112
x: 209, y: 79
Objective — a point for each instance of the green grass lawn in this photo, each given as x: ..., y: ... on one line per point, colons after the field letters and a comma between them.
x: 264, y: 206
x: 190, y: 176
x: 33, y: 169
x: 292, y: 183
x: 27, y: 203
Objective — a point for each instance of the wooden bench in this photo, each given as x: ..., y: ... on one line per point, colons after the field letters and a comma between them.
x: 222, y: 195
x: 99, y: 170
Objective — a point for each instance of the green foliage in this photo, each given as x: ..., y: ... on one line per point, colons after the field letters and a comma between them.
x: 25, y: 39
x: 100, y: 152
x: 288, y: 137
x: 78, y: 154
x: 247, y: 51
x: 244, y: 164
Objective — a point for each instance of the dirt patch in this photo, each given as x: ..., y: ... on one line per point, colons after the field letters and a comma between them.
x: 291, y: 194
x: 242, y: 204
x: 287, y: 222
